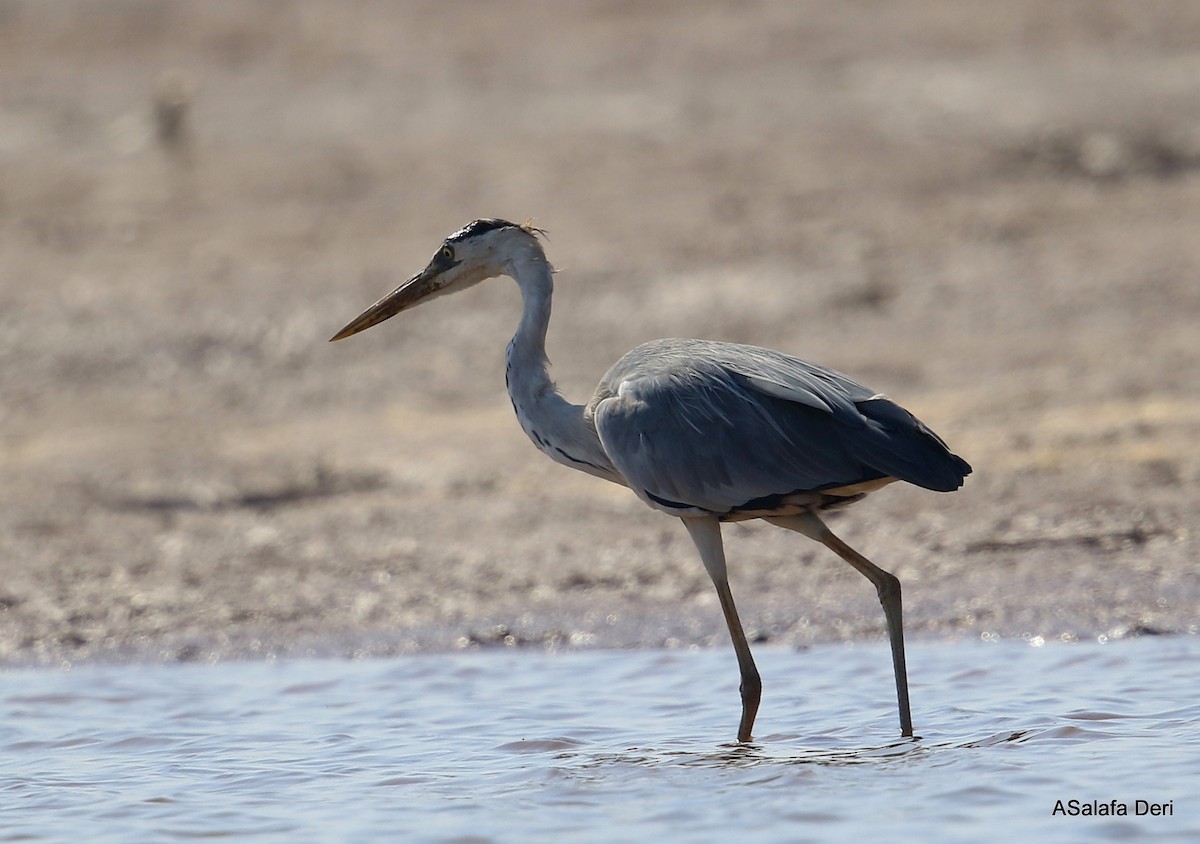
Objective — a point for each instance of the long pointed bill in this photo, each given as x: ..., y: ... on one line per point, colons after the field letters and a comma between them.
x: 412, y: 292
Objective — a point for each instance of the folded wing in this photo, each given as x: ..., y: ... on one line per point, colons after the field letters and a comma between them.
x: 697, y: 425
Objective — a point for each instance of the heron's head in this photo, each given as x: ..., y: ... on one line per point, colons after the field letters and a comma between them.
x: 480, y: 250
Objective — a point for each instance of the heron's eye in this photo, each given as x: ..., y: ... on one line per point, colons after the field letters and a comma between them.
x: 447, y: 253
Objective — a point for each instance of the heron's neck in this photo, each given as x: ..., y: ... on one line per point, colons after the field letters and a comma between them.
x: 528, y: 367
x: 555, y: 425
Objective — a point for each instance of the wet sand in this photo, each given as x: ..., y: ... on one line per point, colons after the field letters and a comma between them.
x: 988, y: 213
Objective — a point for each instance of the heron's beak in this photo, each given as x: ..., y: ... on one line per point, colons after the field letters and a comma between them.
x: 412, y: 292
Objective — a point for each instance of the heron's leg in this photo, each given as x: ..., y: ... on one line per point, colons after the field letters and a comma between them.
x: 706, y: 533
x: 886, y: 585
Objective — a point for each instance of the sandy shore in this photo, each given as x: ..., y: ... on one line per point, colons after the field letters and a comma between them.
x: 988, y: 212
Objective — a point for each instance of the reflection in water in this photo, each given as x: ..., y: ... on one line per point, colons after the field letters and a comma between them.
x: 471, y: 747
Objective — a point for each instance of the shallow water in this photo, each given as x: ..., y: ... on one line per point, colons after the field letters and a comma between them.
x: 608, y: 746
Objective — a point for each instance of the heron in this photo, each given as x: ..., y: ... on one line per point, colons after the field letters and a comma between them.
x: 706, y: 431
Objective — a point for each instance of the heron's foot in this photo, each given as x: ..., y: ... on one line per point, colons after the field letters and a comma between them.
x: 751, y: 690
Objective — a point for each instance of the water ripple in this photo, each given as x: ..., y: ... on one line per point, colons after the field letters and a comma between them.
x: 603, y: 746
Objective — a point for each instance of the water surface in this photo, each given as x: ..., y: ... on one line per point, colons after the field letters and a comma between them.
x: 607, y: 746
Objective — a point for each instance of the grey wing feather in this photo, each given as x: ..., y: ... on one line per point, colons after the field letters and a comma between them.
x: 715, y: 426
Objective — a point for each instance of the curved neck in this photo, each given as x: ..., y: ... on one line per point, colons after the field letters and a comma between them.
x: 555, y: 426
x: 528, y: 366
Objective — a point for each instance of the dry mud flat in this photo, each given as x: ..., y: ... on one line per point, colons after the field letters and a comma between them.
x: 989, y: 213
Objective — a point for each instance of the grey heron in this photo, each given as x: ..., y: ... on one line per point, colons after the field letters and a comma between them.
x: 706, y: 431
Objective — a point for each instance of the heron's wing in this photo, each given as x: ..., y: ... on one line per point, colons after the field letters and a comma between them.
x: 716, y: 426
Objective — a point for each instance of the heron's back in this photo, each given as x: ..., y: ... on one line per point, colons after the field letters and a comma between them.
x: 715, y: 426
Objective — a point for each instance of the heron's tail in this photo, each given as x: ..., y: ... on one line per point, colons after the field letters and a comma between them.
x: 907, y: 449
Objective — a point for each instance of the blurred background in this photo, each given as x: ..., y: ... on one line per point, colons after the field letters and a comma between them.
x: 988, y: 211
